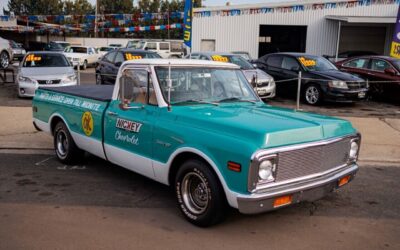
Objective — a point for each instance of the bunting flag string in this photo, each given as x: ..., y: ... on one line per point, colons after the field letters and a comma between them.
x: 294, y: 8
x: 62, y: 29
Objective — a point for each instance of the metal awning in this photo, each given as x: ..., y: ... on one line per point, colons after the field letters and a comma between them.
x: 363, y: 19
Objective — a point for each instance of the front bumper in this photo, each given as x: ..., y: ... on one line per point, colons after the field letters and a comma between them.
x: 28, y: 89
x: 337, y: 95
x: 266, y: 91
x: 308, y: 190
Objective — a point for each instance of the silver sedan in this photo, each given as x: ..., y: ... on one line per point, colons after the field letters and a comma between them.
x: 47, y: 69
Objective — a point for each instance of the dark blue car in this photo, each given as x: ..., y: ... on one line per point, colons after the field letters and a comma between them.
x: 107, y: 68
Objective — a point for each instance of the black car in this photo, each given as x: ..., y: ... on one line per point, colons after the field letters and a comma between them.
x: 322, y: 81
x: 107, y: 68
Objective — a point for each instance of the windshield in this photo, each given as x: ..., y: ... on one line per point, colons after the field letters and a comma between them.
x: 396, y: 63
x: 316, y: 63
x: 204, y: 85
x: 132, y: 44
x: 244, y: 55
x: 106, y: 49
x: 45, y: 60
x: 140, y: 45
x: 235, y: 59
x: 76, y: 50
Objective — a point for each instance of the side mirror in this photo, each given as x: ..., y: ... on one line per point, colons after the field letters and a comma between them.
x: 118, y: 64
x: 295, y: 68
x: 390, y: 71
x: 145, y: 48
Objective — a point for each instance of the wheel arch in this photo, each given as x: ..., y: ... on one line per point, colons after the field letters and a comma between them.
x: 183, y: 154
x: 54, y: 119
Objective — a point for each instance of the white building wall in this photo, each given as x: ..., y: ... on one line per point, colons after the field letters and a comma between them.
x: 241, y: 32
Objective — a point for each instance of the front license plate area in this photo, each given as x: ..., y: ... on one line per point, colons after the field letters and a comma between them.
x: 361, y: 95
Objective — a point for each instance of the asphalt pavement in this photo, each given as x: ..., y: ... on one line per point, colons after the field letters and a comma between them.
x: 47, y: 205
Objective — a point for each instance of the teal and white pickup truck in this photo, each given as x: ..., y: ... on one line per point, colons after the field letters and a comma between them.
x: 198, y: 126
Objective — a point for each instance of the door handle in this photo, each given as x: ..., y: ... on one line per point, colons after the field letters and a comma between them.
x: 110, y: 113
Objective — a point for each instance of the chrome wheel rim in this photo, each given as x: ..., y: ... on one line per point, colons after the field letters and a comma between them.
x: 312, y: 95
x: 4, y: 60
x: 195, y: 193
x: 62, y: 143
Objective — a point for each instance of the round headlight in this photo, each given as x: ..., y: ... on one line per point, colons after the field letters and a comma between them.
x: 353, y: 150
x: 265, y: 171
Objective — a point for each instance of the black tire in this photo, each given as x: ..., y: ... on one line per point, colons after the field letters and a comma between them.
x: 312, y: 94
x: 65, y: 148
x: 199, y: 194
x: 99, y: 79
x: 4, y: 60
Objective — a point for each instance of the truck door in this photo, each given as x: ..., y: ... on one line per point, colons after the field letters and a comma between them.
x: 129, y: 124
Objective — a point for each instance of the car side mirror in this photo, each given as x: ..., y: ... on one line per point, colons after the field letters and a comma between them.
x: 118, y: 64
x: 390, y: 71
x: 145, y: 48
x: 295, y: 68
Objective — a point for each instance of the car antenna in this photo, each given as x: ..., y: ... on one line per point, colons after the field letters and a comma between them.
x: 169, y: 85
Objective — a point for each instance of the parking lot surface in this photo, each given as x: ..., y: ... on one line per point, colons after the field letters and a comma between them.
x: 46, y: 204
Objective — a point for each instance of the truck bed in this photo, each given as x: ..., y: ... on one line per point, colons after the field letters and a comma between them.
x: 96, y: 92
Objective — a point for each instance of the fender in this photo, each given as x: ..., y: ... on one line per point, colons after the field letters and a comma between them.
x: 162, y: 171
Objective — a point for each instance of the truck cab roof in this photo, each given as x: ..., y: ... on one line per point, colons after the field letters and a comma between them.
x: 180, y: 62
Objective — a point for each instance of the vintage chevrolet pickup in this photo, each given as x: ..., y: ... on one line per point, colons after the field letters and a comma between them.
x: 198, y: 126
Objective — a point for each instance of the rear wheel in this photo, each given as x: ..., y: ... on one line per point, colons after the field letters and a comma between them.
x: 64, y: 146
x: 4, y: 60
x: 312, y: 94
x: 199, y: 194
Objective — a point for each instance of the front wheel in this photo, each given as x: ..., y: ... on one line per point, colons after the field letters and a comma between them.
x: 4, y: 60
x: 66, y: 150
x: 84, y: 66
x: 312, y: 94
x: 199, y: 194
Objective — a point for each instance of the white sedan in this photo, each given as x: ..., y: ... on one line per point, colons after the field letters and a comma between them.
x: 82, y: 56
x: 44, y: 69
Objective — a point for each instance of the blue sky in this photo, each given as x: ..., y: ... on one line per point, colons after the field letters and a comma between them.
x: 3, y: 3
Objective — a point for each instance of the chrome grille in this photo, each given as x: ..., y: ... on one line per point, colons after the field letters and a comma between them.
x: 356, y: 85
x: 308, y: 161
x: 49, y: 82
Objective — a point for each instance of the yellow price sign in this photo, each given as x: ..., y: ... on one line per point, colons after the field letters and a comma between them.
x: 220, y: 58
x: 395, y: 50
x: 33, y: 58
x: 129, y: 56
x: 307, y: 62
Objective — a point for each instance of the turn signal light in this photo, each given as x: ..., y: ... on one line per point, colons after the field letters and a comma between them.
x: 344, y: 180
x: 234, y: 166
x: 282, y: 201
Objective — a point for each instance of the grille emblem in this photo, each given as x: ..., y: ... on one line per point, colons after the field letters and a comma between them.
x: 49, y: 82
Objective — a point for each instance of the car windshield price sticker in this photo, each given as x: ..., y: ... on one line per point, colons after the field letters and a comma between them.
x: 33, y: 58
x: 307, y: 62
x: 220, y: 58
x: 129, y: 56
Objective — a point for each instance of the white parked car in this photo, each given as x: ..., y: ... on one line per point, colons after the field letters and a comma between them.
x: 6, y: 53
x: 165, y: 49
x: 82, y: 56
x: 44, y: 68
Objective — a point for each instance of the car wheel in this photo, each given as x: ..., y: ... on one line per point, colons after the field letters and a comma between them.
x: 312, y: 94
x: 84, y: 66
x: 66, y: 150
x: 99, y: 79
x: 4, y: 60
x: 199, y: 194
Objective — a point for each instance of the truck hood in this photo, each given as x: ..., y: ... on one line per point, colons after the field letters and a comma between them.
x: 262, y: 125
x: 76, y: 55
x: 336, y: 75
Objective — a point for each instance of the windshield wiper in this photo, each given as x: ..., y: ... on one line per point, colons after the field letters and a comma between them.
x: 235, y: 99
x: 195, y: 101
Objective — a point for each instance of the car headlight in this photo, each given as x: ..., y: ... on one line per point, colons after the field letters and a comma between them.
x: 266, y: 170
x: 69, y: 79
x: 25, y: 79
x: 338, y: 84
x: 354, y: 149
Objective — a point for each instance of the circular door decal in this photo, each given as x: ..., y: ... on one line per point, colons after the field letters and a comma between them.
x: 87, y: 123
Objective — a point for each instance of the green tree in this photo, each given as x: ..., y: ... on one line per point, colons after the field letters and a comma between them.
x: 35, y: 7
x: 116, y: 6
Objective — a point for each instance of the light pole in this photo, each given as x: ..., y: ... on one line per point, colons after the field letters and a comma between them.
x: 95, y: 19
